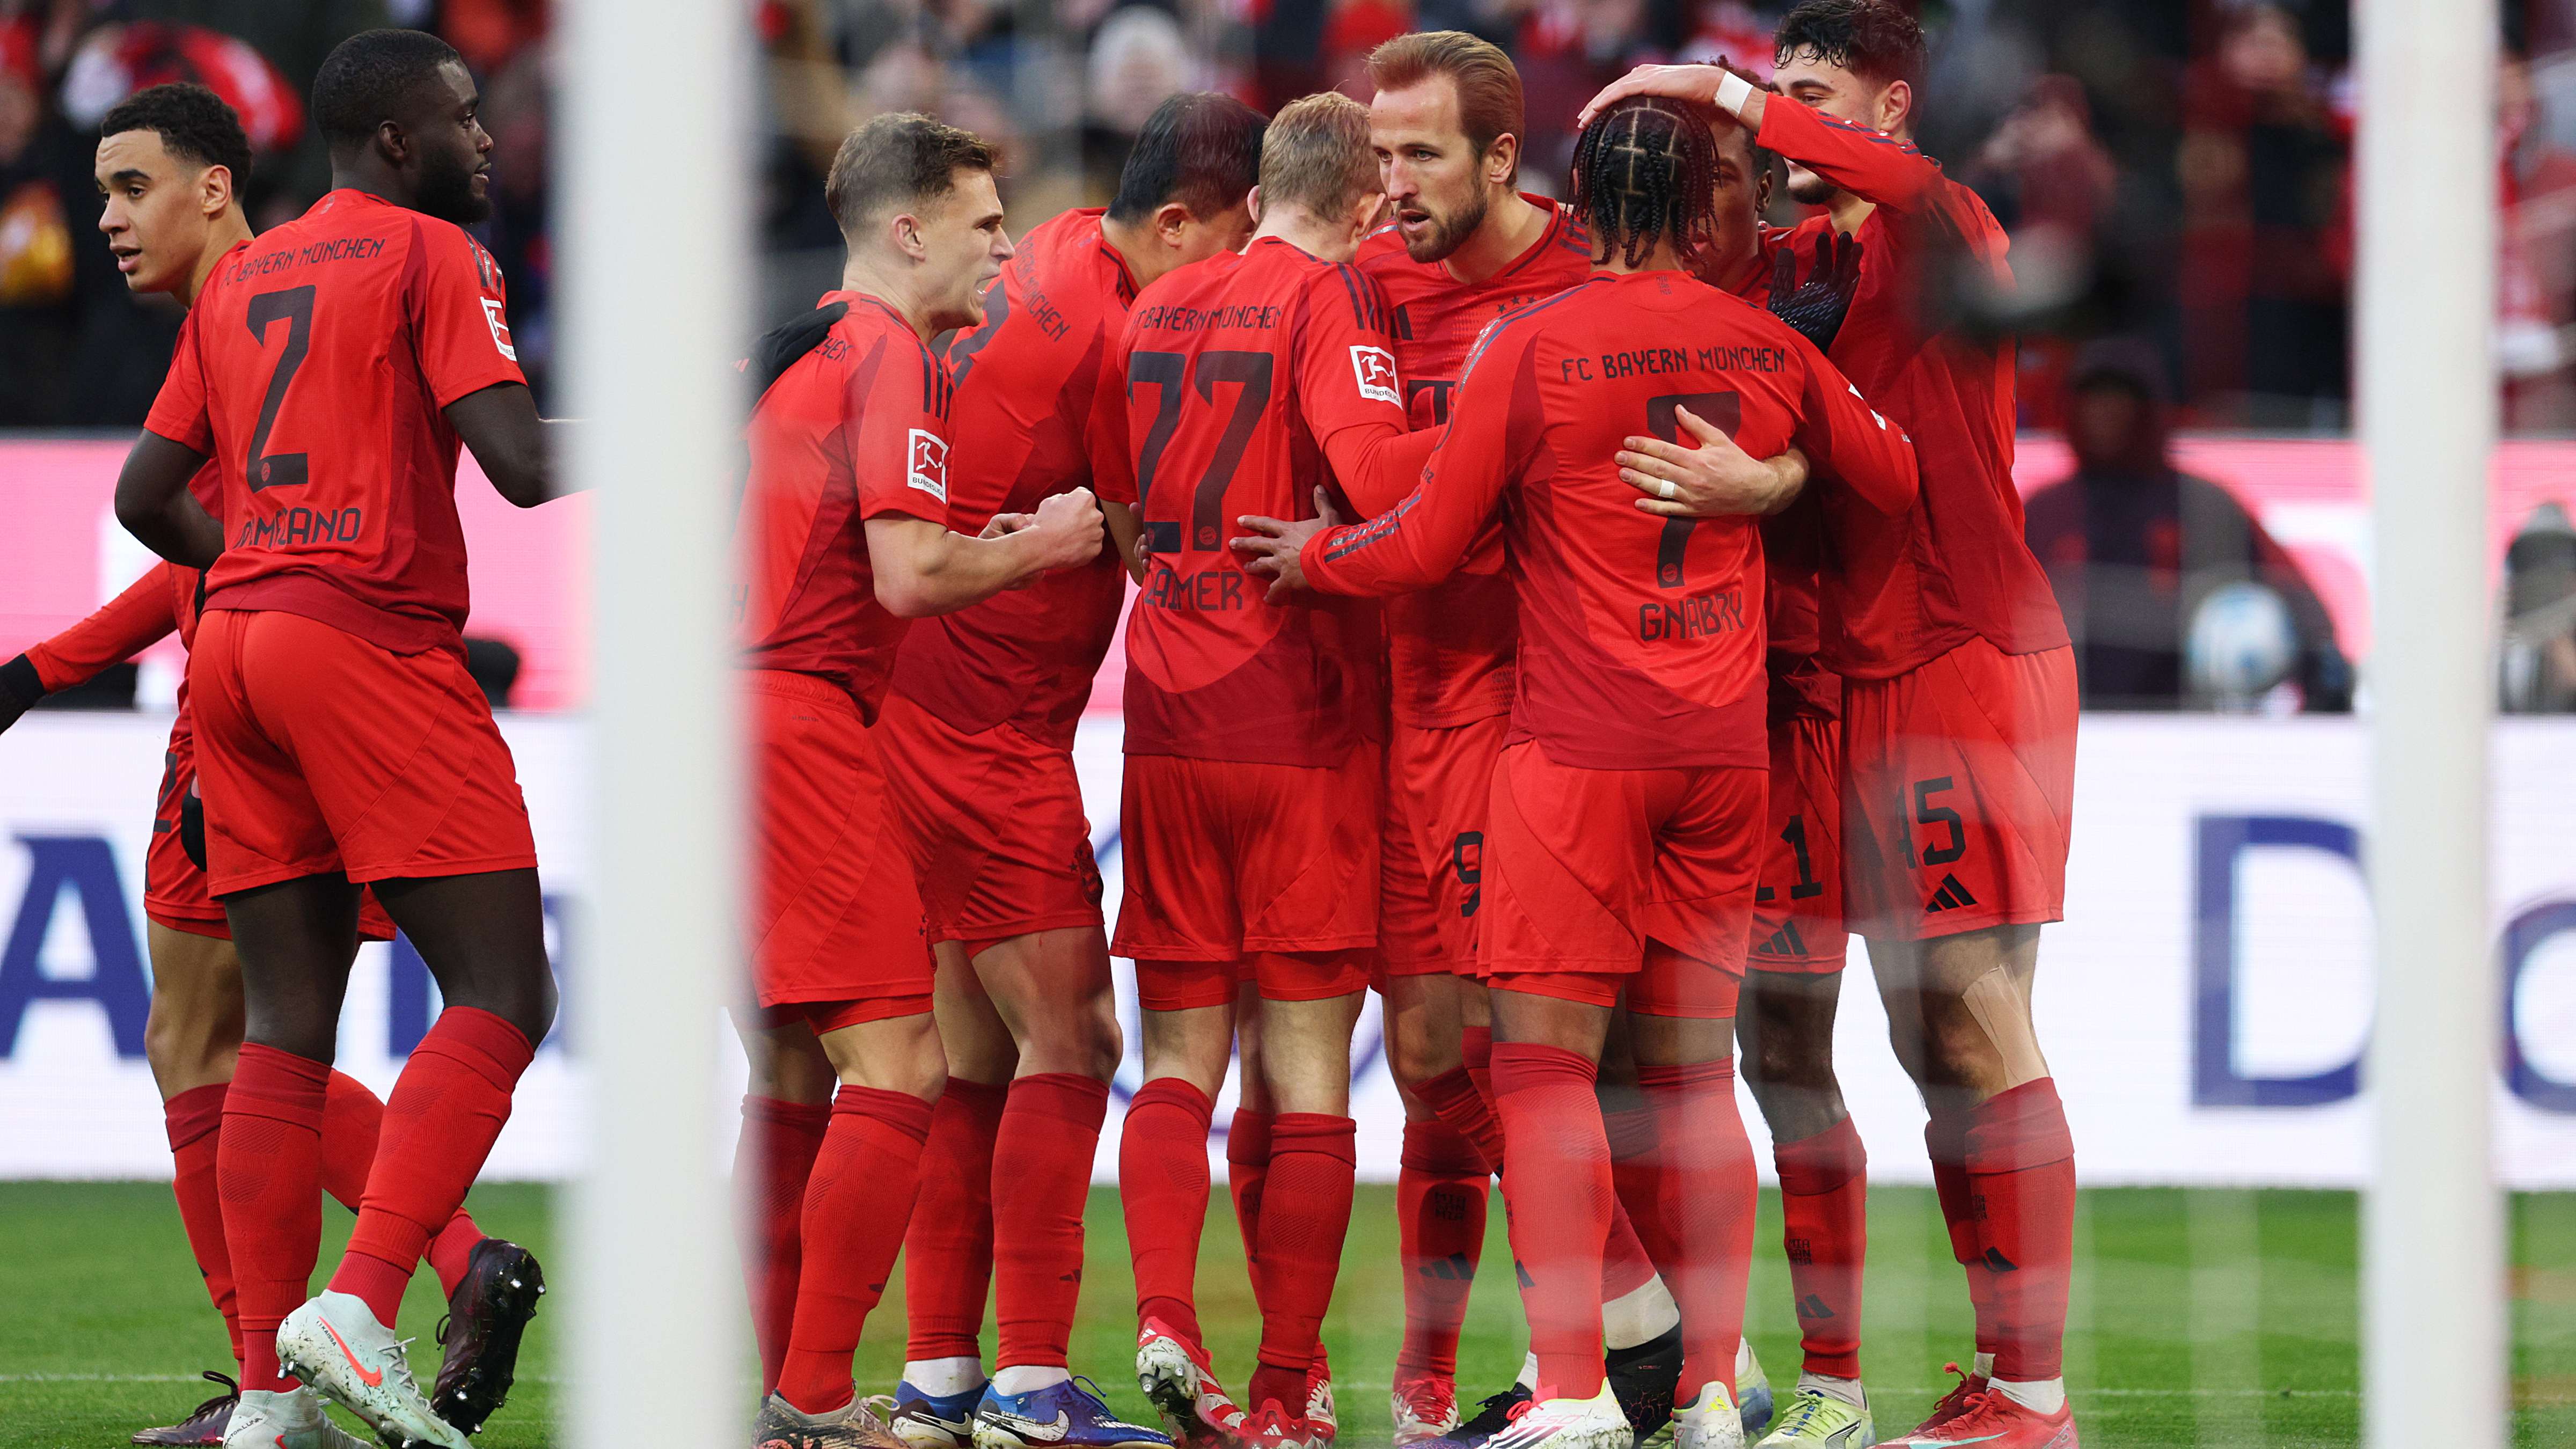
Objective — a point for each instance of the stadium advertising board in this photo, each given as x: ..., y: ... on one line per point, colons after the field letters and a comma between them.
x: 2205, y: 1004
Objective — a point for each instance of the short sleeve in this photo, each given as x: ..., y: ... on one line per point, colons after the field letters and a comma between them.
x: 1346, y: 373
x: 895, y: 430
x: 179, y: 410
x: 458, y: 312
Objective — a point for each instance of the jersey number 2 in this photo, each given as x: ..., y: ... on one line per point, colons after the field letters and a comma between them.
x: 1723, y: 411
x: 1165, y: 371
x: 295, y: 304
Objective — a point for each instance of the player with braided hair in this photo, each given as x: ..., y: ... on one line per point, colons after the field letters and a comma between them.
x: 1626, y: 814
x: 1958, y: 730
x: 1642, y: 178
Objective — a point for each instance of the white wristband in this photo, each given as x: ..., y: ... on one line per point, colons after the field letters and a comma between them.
x: 1732, y: 92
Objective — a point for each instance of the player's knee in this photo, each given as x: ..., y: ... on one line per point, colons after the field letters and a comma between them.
x: 176, y: 1046
x: 298, y: 1026
x: 1415, y: 1057
x: 532, y: 1006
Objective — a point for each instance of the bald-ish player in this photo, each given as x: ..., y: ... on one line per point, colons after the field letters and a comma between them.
x: 1626, y: 813
x: 844, y: 525
x: 1251, y: 806
x: 978, y: 737
x: 1464, y: 245
x: 1959, y: 708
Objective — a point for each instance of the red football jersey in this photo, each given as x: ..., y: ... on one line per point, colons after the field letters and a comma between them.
x: 856, y: 428
x: 1450, y: 647
x: 314, y: 369
x: 1028, y: 385
x: 1793, y: 547
x: 1907, y: 589
x: 1238, y: 373
x: 1641, y: 637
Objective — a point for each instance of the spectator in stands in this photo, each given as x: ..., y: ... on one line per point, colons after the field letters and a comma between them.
x: 2266, y: 241
x: 2132, y: 546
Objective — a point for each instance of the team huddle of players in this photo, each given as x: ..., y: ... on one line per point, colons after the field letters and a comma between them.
x: 1567, y: 619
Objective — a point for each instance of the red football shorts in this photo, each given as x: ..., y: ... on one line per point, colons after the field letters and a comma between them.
x: 994, y: 822
x: 837, y: 935
x: 174, y: 886
x: 1225, y: 860
x: 1602, y: 880
x: 1408, y: 923
x: 1798, y: 910
x: 318, y: 751
x: 1961, y: 793
x: 1442, y: 779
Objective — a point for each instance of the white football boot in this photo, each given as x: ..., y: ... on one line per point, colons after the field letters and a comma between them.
x: 335, y: 1344
x: 288, y: 1419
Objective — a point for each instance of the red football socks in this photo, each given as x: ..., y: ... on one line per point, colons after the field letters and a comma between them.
x: 2021, y: 1167
x: 948, y: 1255
x: 857, y: 1204
x: 1945, y: 1140
x: 1626, y: 1266
x: 1247, y: 1168
x: 1305, y: 1217
x: 268, y: 1169
x: 771, y: 1163
x: 195, y: 1119
x: 1466, y: 1109
x: 1637, y: 1172
x: 352, y: 1120
x: 1163, y: 1188
x: 447, y: 1107
x: 1440, y: 1188
x: 1824, y: 1207
x: 1558, y: 1186
x: 1706, y: 1201
x: 1050, y: 1131
x: 451, y: 1252
x: 1476, y: 1044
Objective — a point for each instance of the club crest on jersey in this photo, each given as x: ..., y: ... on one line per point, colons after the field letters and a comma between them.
x: 1374, y: 367
x: 927, y: 466
x: 500, y: 326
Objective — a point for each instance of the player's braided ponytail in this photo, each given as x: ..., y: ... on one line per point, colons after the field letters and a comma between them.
x: 1644, y: 171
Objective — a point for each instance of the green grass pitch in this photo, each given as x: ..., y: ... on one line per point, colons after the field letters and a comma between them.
x: 2200, y: 1318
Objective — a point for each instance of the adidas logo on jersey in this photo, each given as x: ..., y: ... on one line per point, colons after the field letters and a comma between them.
x: 1784, y: 942
x: 1950, y: 897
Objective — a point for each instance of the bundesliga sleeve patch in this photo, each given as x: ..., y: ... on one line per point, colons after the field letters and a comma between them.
x: 927, y: 468
x: 500, y: 329
x: 1374, y: 367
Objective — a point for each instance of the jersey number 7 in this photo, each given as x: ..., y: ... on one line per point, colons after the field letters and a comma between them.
x: 1723, y: 411
x: 295, y: 305
x: 1166, y: 371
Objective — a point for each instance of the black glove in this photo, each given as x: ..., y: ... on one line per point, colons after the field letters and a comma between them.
x: 20, y: 688
x: 192, y: 825
x: 1816, y: 309
x: 780, y: 346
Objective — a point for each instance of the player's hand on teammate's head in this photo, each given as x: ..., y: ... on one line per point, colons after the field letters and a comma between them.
x: 1275, y: 546
x: 1716, y: 479
x: 1816, y: 307
x: 1070, y: 524
x: 1677, y: 82
x: 778, y: 348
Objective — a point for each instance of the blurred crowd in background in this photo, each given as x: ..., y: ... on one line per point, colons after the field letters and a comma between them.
x: 2176, y: 176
